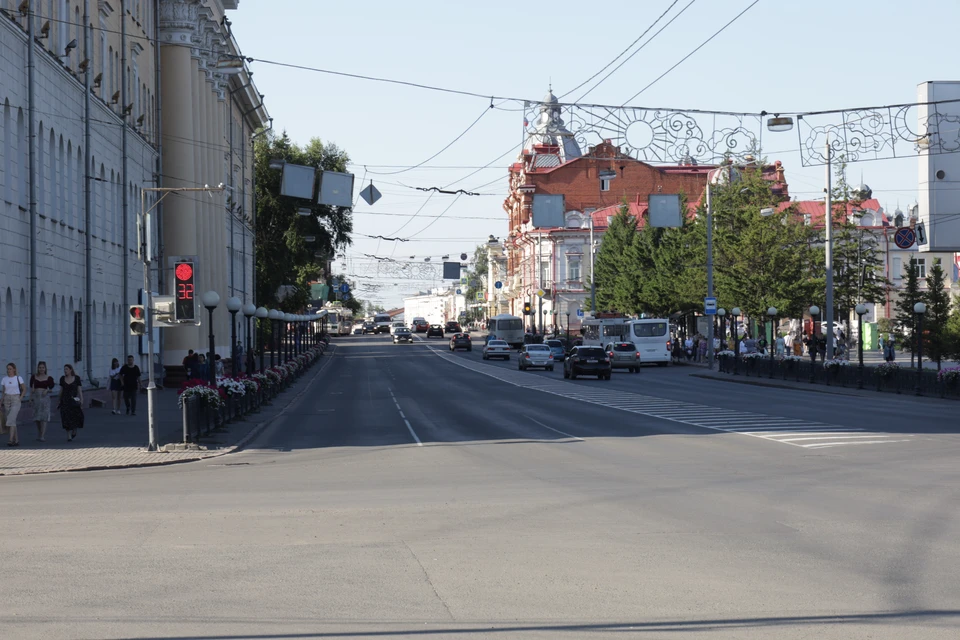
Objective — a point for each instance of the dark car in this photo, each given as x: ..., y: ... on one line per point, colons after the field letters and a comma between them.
x: 591, y: 361
x: 402, y: 334
x: 369, y: 327
x: 461, y: 341
x: 453, y: 327
x: 435, y: 331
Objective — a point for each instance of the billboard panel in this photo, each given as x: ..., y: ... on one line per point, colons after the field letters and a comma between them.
x: 547, y: 210
x: 297, y: 181
x: 938, y: 196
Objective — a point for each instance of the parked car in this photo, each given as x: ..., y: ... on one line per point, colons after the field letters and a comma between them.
x: 452, y: 327
x: 435, y: 331
x: 461, y: 341
x: 535, y: 355
x: 402, y: 334
x: 557, y: 349
x: 369, y: 327
x: 420, y: 325
x: 496, y: 349
x: 592, y: 361
x: 623, y: 355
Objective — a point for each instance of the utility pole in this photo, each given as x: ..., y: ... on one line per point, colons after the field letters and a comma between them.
x: 710, y: 355
x: 828, y: 220
x: 593, y: 279
x: 540, y: 280
x: 146, y: 249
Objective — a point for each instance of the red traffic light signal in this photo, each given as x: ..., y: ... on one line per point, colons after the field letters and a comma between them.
x: 185, y: 307
x: 138, y: 320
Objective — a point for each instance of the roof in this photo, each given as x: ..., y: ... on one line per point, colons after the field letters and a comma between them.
x: 815, y: 208
x: 394, y: 312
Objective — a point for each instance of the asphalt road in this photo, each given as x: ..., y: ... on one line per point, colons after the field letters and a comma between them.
x: 411, y: 493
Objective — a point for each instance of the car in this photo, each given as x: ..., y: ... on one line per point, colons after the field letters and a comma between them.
x: 557, y: 349
x: 535, y: 355
x: 496, y: 349
x: 624, y: 355
x: 461, y: 341
x: 420, y: 325
x: 369, y: 327
x: 402, y: 334
x: 435, y: 330
x: 452, y: 327
x: 592, y: 361
x: 397, y: 325
x: 358, y: 330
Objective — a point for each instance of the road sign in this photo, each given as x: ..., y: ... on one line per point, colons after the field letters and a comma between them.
x: 459, y: 292
x: 710, y: 306
x: 335, y: 282
x: 579, y: 313
x: 479, y: 295
x: 498, y: 285
x: 541, y: 293
x: 905, y: 237
x: 463, y: 281
x: 345, y: 297
x: 370, y: 194
x: 344, y: 288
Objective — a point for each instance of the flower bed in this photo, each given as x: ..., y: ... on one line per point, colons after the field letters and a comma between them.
x: 949, y: 376
x: 195, y: 388
x: 887, y: 370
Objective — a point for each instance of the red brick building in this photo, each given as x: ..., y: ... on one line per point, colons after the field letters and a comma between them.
x: 594, y: 184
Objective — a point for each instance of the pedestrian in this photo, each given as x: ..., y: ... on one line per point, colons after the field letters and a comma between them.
x: 890, y: 349
x: 130, y: 376
x: 762, y: 345
x: 218, y: 364
x: 237, y: 365
x: 71, y: 402
x: 200, y: 368
x: 40, y: 386
x: 788, y: 344
x: 12, y: 397
x: 781, y: 346
x: 190, y: 362
x: 116, y: 386
x: 688, y: 348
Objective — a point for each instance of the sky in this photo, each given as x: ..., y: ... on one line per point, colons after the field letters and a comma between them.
x: 777, y: 57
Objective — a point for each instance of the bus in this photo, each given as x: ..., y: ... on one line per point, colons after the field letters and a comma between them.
x: 652, y: 337
x: 344, y: 320
x: 508, y: 328
x: 383, y: 322
x: 603, y: 328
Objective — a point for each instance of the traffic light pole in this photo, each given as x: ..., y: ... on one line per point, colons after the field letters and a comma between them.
x: 145, y: 247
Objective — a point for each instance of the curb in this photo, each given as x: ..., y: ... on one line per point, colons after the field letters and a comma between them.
x: 253, y: 433
x: 774, y: 385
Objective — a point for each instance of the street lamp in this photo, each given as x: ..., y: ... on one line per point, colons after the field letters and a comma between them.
x: 772, y: 314
x: 211, y: 300
x: 262, y: 314
x: 736, y: 340
x: 722, y: 314
x: 919, y: 309
x: 568, y: 330
x: 860, y: 309
x: 234, y: 304
x: 287, y: 319
x: 275, y: 316
x: 249, y: 310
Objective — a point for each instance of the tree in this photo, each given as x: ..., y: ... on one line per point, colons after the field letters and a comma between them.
x: 952, y: 331
x: 612, y: 269
x: 476, y: 274
x: 936, y: 336
x: 283, y: 255
x: 908, y: 296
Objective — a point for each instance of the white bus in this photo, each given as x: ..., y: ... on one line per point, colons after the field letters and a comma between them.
x: 344, y: 322
x: 508, y: 328
x: 603, y: 329
x: 652, y: 337
x: 383, y: 322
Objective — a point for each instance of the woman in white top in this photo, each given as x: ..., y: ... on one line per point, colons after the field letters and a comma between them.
x: 13, y: 392
x: 116, y: 386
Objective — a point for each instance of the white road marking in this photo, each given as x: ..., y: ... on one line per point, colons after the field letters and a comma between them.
x: 563, y: 433
x: 405, y: 421
x: 754, y: 425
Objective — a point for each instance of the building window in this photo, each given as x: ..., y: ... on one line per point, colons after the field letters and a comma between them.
x: 573, y: 268
x: 921, y: 265
x: 544, y: 273
x: 897, y: 268
x: 604, y: 184
x: 807, y: 219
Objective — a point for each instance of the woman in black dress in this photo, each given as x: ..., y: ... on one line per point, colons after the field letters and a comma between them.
x: 71, y: 402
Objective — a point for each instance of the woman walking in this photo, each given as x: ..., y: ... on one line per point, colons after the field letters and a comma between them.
x: 116, y: 386
x: 71, y: 402
x: 40, y: 386
x: 13, y: 391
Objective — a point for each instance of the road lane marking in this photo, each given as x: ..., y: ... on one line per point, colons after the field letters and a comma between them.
x: 563, y: 433
x: 755, y: 425
x: 405, y: 421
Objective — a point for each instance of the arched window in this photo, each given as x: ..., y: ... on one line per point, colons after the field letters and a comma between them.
x: 22, y: 152
x: 78, y: 189
x: 6, y: 144
x: 60, y: 204
x: 68, y: 186
x: 49, y: 195
x: 55, y: 355
x: 101, y: 205
x: 40, y: 172
x: 43, y: 335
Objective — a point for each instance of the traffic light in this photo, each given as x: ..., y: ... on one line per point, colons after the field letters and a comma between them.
x: 527, y: 309
x: 138, y: 320
x: 184, y: 306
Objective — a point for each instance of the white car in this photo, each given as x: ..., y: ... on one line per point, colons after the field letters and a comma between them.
x: 535, y: 355
x: 496, y: 349
x: 395, y: 326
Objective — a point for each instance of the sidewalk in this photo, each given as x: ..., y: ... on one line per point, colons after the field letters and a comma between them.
x: 110, y: 442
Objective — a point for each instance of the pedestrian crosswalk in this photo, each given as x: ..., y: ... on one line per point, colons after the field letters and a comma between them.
x: 797, y: 432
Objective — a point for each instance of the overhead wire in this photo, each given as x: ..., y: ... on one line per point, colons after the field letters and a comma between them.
x: 686, y: 57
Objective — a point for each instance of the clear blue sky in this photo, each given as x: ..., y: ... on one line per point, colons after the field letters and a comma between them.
x: 780, y: 56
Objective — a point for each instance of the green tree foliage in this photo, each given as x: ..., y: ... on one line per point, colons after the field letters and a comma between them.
x: 476, y: 274
x: 952, y: 330
x: 612, y: 268
x: 908, y: 296
x: 283, y: 256
x: 937, y: 340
